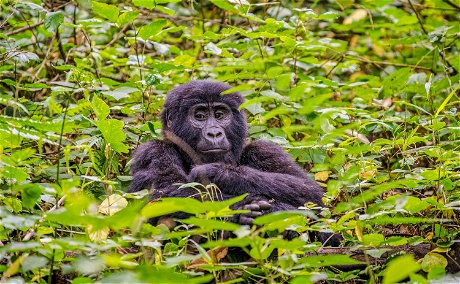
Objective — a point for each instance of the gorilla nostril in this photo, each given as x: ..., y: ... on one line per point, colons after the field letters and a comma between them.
x: 214, y: 134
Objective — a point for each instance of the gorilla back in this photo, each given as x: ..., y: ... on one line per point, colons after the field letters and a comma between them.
x: 211, y: 126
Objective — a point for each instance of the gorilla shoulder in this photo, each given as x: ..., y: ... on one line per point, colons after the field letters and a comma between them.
x: 270, y: 157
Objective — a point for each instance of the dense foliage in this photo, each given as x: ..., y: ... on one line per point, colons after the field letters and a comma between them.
x: 363, y: 94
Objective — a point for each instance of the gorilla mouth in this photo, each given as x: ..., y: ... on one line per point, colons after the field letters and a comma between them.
x: 215, y: 150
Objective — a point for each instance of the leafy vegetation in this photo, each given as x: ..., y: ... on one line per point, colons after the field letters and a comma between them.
x: 363, y: 94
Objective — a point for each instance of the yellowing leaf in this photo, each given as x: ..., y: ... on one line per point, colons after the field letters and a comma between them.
x: 432, y: 260
x: 322, y: 176
x: 357, y: 15
x: 359, y: 231
x: 98, y: 235
x: 14, y: 268
x: 380, y: 51
x: 367, y: 174
x: 112, y: 204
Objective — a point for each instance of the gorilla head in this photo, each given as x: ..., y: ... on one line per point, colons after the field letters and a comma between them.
x: 206, y: 120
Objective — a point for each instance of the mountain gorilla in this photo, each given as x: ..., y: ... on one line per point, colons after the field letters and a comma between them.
x: 205, y: 142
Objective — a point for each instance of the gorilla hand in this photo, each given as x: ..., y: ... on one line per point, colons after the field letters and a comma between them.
x: 257, y: 208
x: 205, y: 173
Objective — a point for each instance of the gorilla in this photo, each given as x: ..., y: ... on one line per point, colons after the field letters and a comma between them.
x: 205, y: 135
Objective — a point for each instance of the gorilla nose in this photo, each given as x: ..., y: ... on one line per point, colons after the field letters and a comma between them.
x: 214, y: 134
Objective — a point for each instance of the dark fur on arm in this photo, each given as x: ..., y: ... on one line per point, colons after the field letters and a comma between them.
x: 157, y: 165
x: 265, y: 170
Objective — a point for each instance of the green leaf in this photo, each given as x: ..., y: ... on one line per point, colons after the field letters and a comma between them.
x: 127, y: 17
x: 53, y: 20
x: 223, y: 4
x: 33, y: 262
x: 280, y: 216
x: 30, y: 195
x: 373, y: 239
x: 432, y: 260
x: 211, y: 224
x: 328, y: 16
x: 120, y: 93
x: 327, y: 260
x: 152, y: 29
x: 106, y: 11
x: 171, y: 205
x: 15, y: 174
x: 112, y: 131
x: 396, y: 81
x: 101, y: 109
x: 151, y: 4
x: 399, y: 269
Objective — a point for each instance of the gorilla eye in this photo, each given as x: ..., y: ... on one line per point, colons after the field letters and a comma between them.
x: 200, y: 115
x: 219, y: 114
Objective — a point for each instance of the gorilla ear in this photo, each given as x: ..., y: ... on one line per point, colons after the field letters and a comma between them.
x: 168, y: 119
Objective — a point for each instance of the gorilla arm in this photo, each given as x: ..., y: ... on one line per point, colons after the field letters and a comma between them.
x: 157, y: 165
x: 265, y: 170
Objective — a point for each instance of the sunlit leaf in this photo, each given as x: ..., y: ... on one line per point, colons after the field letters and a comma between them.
x: 393, y: 273
x: 106, y: 11
x: 53, y: 20
x: 112, y: 131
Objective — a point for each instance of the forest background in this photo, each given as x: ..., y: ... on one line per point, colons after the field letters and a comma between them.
x: 363, y: 94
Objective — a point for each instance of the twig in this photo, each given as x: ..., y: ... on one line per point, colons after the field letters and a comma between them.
x: 419, y: 18
x: 453, y: 71
x: 362, y: 59
x: 117, y: 36
x: 452, y: 4
x: 31, y: 231
x: 24, y: 28
x: 44, y: 59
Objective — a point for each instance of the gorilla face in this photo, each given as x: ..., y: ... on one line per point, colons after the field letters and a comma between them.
x: 208, y: 121
x: 211, y: 120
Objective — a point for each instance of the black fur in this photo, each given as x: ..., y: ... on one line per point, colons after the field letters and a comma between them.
x: 261, y: 168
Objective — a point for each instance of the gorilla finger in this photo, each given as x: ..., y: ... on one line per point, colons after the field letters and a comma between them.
x: 246, y: 220
x: 264, y: 205
x: 254, y: 214
x: 252, y: 207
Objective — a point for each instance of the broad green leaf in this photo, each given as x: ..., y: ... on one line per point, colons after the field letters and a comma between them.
x: 13, y: 204
x: 211, y: 224
x: 101, y: 109
x: 120, y: 93
x: 112, y: 131
x: 127, y: 17
x: 373, y: 239
x: 151, y: 4
x: 30, y: 194
x: 432, y: 260
x: 225, y: 5
x: 152, y: 29
x: 328, y: 16
x: 106, y: 11
x: 280, y: 216
x: 212, y: 48
x: 396, y: 81
x: 53, y: 20
x: 33, y: 262
x: 327, y: 260
x: 171, y: 205
x: 16, y: 175
x: 399, y: 269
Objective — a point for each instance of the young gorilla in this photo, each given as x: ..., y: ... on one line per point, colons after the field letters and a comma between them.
x: 212, y: 125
